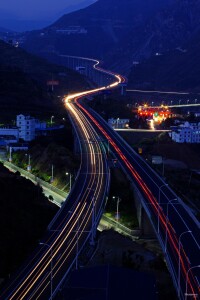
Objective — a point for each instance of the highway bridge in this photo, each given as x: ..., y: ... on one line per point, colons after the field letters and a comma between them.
x: 43, y: 273
x: 177, y: 229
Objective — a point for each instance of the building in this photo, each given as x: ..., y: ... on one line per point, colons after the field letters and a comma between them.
x: 28, y: 126
x: 186, y: 133
x: 118, y: 123
x: 9, y: 135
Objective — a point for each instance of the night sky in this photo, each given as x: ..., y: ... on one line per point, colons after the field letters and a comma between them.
x: 34, y: 9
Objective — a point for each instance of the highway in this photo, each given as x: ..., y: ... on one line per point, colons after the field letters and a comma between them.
x: 75, y: 224
x: 177, y: 229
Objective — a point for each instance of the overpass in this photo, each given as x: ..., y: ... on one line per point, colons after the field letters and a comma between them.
x: 42, y: 274
x: 177, y: 229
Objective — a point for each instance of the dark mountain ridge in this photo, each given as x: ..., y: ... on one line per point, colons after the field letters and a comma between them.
x: 177, y: 70
x: 23, y: 81
x: 107, y: 27
x: 122, y: 32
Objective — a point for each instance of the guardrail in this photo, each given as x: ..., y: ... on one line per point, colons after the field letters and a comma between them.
x: 121, y: 228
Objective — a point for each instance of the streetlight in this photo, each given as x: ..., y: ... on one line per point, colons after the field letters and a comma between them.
x: 179, y: 259
x: 10, y: 156
x: 51, y: 280
x: 29, y: 162
x: 171, y: 102
x: 188, y: 101
x: 166, y: 235
x: 195, y: 100
x: 186, y: 294
x: 51, y: 174
x: 179, y: 102
x: 118, y: 200
x: 152, y: 103
x: 70, y: 180
x: 159, y: 204
x: 52, y: 118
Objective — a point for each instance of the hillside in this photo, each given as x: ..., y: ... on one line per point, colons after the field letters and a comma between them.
x: 112, y: 24
x: 23, y: 81
x: 28, y: 212
x: 123, y: 31
x: 177, y: 70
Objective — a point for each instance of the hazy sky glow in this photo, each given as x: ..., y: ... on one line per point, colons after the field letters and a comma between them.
x: 35, y: 9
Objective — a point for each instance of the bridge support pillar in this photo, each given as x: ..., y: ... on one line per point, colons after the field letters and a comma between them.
x: 143, y: 220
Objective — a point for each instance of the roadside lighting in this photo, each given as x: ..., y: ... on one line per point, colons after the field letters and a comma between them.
x: 179, y: 259
x: 188, y: 101
x: 52, y: 119
x: 117, y: 217
x: 51, y: 280
x: 186, y: 294
x: 10, y: 155
x: 179, y: 102
x: 51, y: 180
x: 29, y: 162
x: 159, y: 204
x: 70, y: 180
x: 166, y: 235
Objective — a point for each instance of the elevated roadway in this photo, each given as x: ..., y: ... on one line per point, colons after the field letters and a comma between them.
x: 42, y: 274
x: 177, y: 229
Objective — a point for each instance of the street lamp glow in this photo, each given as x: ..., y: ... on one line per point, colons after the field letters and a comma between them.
x: 29, y: 162
x: 118, y: 200
x: 70, y: 180
x: 52, y: 118
x: 10, y: 155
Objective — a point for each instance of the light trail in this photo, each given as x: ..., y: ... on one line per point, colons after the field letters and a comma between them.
x: 164, y: 221
x: 35, y: 284
x: 158, y: 92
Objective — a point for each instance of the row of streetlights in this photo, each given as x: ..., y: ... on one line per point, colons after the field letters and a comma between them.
x: 52, y: 168
x: 52, y: 117
x: 179, y: 241
x: 179, y: 101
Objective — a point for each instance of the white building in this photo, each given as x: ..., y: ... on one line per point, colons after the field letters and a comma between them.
x: 118, y: 123
x: 186, y: 133
x: 26, y: 125
x: 26, y: 129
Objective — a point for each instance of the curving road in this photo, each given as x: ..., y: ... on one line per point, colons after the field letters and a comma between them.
x: 75, y: 224
x: 178, y: 231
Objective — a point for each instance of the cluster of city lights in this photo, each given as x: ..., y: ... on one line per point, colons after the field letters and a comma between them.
x: 156, y: 113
